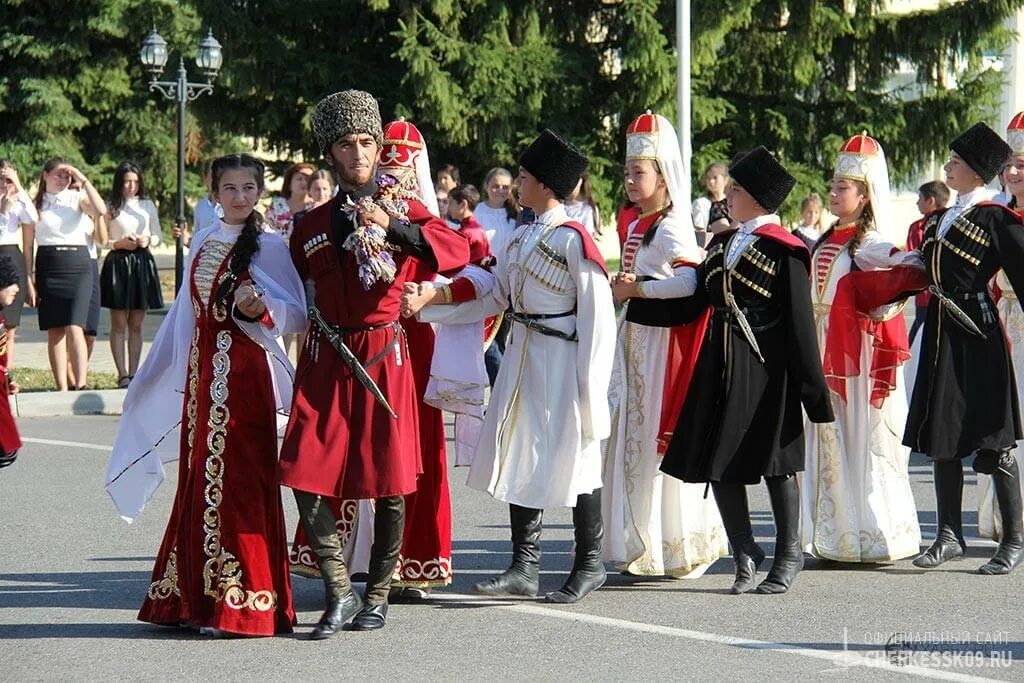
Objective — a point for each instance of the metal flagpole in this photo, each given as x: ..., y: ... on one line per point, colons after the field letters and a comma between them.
x: 683, y: 103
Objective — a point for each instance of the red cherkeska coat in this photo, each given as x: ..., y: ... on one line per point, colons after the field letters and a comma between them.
x: 340, y: 441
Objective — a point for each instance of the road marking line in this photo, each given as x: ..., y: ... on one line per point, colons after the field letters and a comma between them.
x: 76, y: 444
x: 843, y: 659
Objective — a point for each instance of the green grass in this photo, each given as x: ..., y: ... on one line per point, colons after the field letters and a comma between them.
x: 33, y: 379
x: 613, y: 265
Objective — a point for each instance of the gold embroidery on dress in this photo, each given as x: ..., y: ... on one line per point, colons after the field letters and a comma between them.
x: 222, y: 574
x: 168, y: 585
x: 191, y: 410
x: 208, y: 262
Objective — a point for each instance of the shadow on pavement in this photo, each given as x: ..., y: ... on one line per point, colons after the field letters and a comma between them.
x: 77, y: 590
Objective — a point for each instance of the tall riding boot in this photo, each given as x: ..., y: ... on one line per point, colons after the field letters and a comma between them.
x: 732, y: 506
x: 523, y: 577
x: 388, y: 525
x: 1006, y: 481
x: 789, y: 557
x: 588, y: 572
x: 949, y: 538
x: 342, y: 602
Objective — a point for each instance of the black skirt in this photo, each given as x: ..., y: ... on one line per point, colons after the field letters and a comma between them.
x: 129, y: 281
x: 12, y: 313
x: 64, y: 281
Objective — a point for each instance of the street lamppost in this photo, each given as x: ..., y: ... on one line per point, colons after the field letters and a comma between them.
x: 209, y: 59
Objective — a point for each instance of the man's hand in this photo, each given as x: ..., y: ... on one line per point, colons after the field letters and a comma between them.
x: 376, y: 215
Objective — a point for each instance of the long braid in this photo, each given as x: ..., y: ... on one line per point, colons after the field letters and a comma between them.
x: 865, y: 223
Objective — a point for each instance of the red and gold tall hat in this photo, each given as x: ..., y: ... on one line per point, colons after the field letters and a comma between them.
x: 403, y: 143
x: 1015, y: 133
x: 642, y: 137
x: 857, y: 156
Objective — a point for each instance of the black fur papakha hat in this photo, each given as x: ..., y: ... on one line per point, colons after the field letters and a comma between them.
x: 763, y: 177
x: 983, y: 150
x: 345, y: 113
x: 554, y: 162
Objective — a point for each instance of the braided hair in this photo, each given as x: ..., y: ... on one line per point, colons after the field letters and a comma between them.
x: 865, y: 222
x: 649, y: 235
x: 249, y: 240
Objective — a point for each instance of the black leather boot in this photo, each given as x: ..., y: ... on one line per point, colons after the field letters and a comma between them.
x: 342, y: 602
x: 388, y: 525
x: 588, y: 572
x: 1006, y: 481
x: 339, y: 611
x: 949, y: 538
x: 747, y: 554
x: 789, y: 557
x: 523, y: 576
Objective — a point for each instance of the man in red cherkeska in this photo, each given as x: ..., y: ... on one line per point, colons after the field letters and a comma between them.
x: 353, y: 430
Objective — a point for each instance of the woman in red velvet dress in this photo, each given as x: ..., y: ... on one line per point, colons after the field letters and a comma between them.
x: 222, y: 565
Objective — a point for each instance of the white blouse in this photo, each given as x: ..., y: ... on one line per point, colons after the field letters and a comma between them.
x: 21, y: 211
x: 137, y: 217
x: 62, y: 221
x: 496, y: 224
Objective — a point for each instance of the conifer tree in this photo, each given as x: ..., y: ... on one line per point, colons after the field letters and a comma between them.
x: 71, y: 85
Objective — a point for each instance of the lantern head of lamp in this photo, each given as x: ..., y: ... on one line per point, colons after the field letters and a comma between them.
x: 153, y: 54
x: 209, y: 57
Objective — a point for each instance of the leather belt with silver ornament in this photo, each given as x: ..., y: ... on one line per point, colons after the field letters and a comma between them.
x: 333, y: 336
x: 529, y: 321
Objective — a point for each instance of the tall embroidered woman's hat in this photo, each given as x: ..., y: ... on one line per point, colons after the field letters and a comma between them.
x: 1015, y: 133
x: 404, y: 156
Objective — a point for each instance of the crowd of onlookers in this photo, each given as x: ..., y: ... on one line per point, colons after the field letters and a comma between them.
x: 53, y: 236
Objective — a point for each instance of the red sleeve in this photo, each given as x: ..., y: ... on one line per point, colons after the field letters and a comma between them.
x: 462, y: 289
x: 915, y: 234
x: 295, y: 245
x: 450, y: 247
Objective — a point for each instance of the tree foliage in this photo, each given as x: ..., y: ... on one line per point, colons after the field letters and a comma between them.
x: 482, y: 77
x: 71, y: 85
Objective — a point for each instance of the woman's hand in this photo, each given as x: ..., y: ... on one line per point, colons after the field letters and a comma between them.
x: 74, y: 173
x: 624, y: 286
x: 30, y: 293
x: 415, y: 297
x: 127, y: 243
x: 249, y: 300
x: 9, y: 178
x: 182, y: 232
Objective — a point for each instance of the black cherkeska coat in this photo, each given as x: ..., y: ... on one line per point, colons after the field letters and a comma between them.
x: 965, y: 395
x: 742, y: 417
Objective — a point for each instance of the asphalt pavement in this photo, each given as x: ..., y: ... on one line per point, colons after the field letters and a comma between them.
x: 72, y: 577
